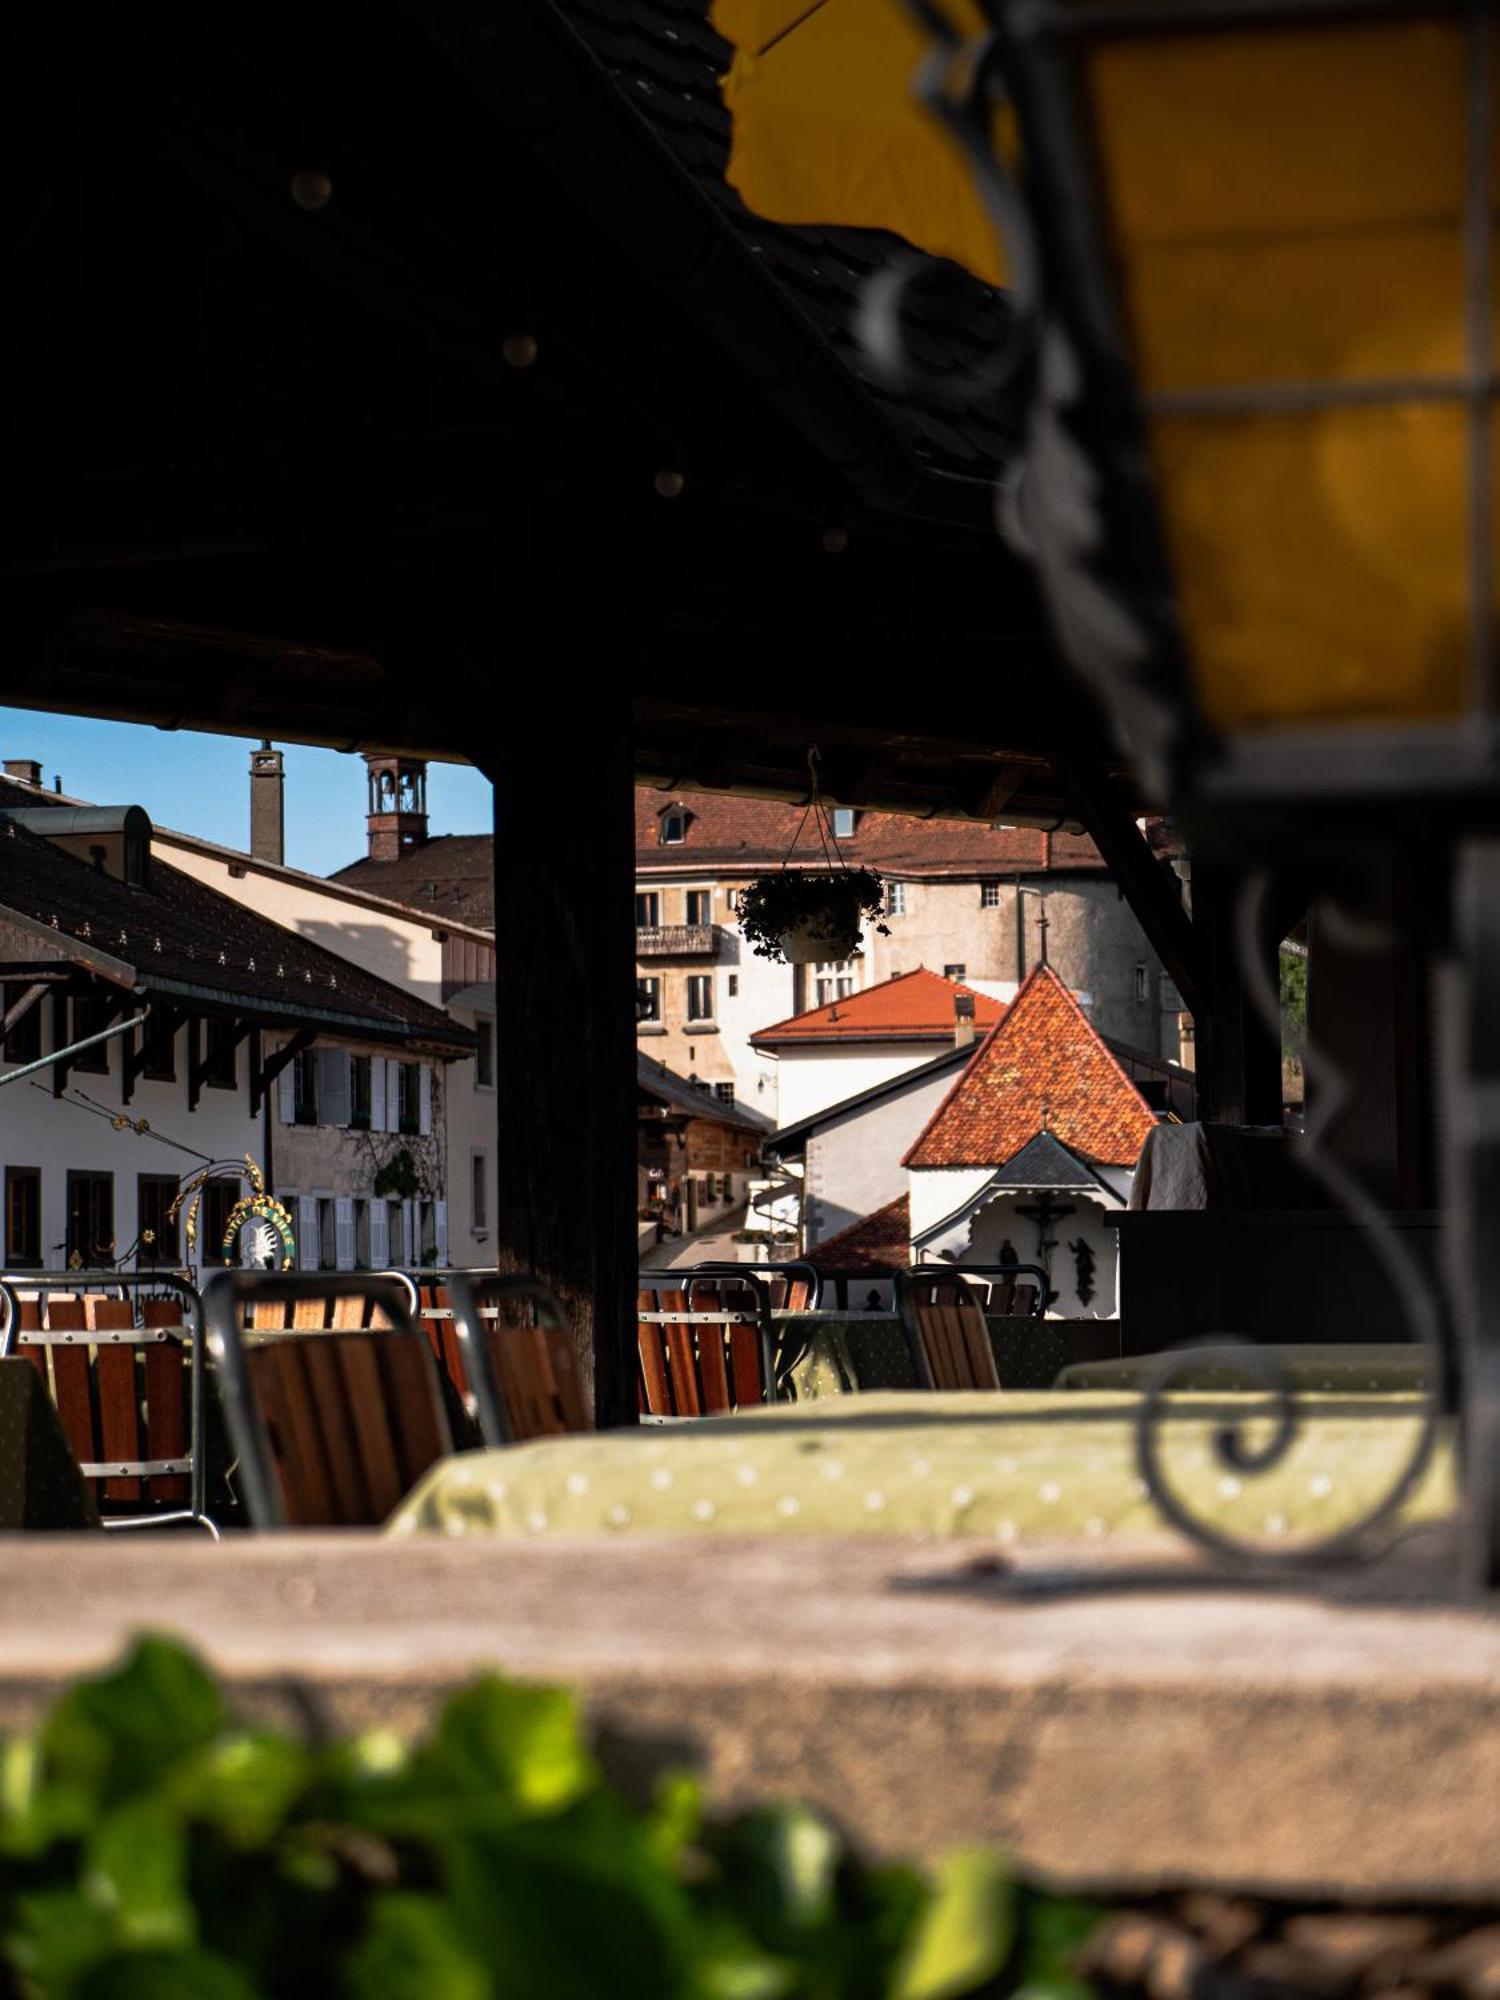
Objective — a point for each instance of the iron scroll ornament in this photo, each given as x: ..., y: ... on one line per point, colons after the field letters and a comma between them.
x: 1418, y: 1296
x: 1078, y: 508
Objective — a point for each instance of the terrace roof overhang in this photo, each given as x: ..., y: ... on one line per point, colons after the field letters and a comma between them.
x: 333, y: 397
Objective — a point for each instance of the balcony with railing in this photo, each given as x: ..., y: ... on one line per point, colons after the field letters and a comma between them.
x: 677, y: 941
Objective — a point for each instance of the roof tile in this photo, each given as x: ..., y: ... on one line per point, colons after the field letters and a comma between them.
x: 878, y: 1244
x: 914, y: 1006
x: 1043, y: 1068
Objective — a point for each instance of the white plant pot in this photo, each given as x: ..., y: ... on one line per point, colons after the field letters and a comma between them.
x: 811, y: 945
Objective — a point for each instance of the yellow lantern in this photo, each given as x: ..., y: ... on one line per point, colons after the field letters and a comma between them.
x: 1262, y: 453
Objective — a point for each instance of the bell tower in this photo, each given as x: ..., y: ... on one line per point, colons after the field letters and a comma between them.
x: 397, y: 819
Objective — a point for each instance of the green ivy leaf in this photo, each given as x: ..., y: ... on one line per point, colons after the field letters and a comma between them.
x: 177, y: 1975
x: 54, y: 1937
x: 135, y: 1870
x: 243, y: 1785
x: 500, y: 1751
x: 571, y: 1908
x: 966, y: 1933
x: 122, y: 1734
x: 412, y: 1949
x: 779, y: 1865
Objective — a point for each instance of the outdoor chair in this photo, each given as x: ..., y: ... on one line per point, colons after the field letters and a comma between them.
x: 121, y: 1354
x: 706, y: 1344
x: 332, y: 1425
x: 518, y: 1371
x: 792, y: 1287
x: 943, y: 1309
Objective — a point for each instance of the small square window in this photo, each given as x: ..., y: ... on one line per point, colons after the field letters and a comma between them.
x: 955, y: 972
x: 989, y: 895
x: 724, y: 1092
x: 895, y: 899
x: 843, y: 823
x: 734, y: 985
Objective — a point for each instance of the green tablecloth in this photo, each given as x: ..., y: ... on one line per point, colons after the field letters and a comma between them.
x: 827, y: 1354
x: 1007, y: 1466
x: 1341, y: 1370
x: 40, y: 1484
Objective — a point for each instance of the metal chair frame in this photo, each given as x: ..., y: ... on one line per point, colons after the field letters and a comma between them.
x: 84, y: 1284
x: 969, y: 1275
x: 767, y: 1273
x: 476, y: 1297
x: 224, y: 1300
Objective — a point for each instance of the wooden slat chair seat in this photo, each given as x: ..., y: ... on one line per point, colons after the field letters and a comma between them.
x: 336, y: 1420
x: 512, y: 1357
x: 123, y: 1392
x: 704, y: 1346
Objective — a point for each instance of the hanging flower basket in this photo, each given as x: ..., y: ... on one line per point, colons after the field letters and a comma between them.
x: 805, y: 915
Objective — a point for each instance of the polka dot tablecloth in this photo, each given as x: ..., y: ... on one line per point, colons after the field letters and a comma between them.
x: 1007, y: 1467
x: 1362, y: 1370
x: 40, y: 1484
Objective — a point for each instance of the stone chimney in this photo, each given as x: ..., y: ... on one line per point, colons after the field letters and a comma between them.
x: 25, y: 768
x: 267, y: 805
x: 963, y: 1020
x: 397, y: 819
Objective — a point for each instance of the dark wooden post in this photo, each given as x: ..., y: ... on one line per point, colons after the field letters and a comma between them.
x: 1238, y: 1052
x: 565, y: 1016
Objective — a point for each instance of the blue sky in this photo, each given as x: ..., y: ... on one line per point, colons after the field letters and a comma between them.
x: 201, y: 784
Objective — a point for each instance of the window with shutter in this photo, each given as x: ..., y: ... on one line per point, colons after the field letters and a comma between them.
x: 307, y: 1232
x: 440, y: 1232
x: 286, y: 1096
x: 377, y: 1094
x: 380, y: 1234
x: 424, y: 1099
x: 344, y: 1231
x: 333, y: 1087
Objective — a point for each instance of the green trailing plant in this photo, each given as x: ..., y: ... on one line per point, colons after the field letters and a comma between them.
x: 398, y: 1178
x: 834, y: 904
x: 152, y: 1848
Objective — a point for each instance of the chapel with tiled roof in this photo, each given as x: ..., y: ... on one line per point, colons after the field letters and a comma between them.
x: 1043, y: 1068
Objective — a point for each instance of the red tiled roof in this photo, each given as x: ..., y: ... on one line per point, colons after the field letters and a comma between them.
x: 739, y: 836
x: 878, y: 1243
x: 1042, y: 1068
x: 912, y: 1007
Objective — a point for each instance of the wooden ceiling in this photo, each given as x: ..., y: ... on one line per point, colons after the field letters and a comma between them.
x: 266, y: 469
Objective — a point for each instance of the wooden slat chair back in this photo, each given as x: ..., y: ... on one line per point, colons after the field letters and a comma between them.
x: 435, y: 1306
x: 332, y: 1312
x: 333, y: 1424
x: 515, y: 1358
x: 943, y: 1316
x: 705, y: 1345
x: 123, y: 1383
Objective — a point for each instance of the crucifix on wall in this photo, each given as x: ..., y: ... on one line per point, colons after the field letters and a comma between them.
x: 1046, y: 1213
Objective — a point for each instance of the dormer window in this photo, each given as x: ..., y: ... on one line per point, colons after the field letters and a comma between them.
x: 673, y: 825
x: 843, y: 822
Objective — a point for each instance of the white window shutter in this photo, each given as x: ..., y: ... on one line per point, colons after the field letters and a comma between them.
x: 307, y: 1232
x: 380, y: 1232
x: 286, y: 1094
x: 424, y: 1121
x: 392, y: 1096
x: 333, y: 1087
x: 377, y: 1097
x: 408, y: 1233
x: 440, y: 1229
x: 343, y: 1227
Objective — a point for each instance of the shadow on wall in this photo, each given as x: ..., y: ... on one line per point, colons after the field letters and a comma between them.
x: 377, y: 949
